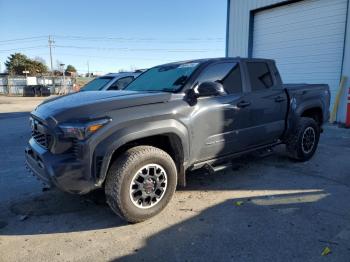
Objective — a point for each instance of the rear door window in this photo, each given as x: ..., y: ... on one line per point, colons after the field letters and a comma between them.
x: 259, y: 75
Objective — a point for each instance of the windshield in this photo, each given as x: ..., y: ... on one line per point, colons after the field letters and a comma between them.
x: 166, y: 78
x: 96, y: 84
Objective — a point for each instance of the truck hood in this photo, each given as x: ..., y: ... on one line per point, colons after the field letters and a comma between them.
x: 86, y: 104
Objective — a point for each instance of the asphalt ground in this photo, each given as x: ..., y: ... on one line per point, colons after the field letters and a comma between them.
x: 263, y: 209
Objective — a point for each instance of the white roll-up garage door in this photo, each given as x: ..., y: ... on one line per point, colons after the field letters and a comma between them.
x: 306, y: 39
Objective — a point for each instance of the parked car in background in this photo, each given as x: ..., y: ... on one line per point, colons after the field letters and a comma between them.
x: 36, y: 90
x: 112, y: 81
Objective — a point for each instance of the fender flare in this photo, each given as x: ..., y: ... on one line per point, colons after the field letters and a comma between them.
x: 139, y: 131
x: 296, y: 110
x: 308, y: 105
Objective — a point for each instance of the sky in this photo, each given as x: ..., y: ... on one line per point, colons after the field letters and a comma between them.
x: 107, y: 36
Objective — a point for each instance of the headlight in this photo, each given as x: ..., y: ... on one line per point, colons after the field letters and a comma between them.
x: 82, y: 131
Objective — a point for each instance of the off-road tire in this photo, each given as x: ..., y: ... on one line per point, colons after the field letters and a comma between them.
x: 294, y: 143
x: 119, y: 179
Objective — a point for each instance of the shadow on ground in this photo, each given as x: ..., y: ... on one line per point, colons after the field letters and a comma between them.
x: 236, y: 230
x: 57, y: 212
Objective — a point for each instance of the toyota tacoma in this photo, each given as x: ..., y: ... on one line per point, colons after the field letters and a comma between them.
x: 137, y: 144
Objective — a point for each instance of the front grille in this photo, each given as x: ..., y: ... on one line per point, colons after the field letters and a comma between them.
x: 40, y: 137
x: 75, y: 148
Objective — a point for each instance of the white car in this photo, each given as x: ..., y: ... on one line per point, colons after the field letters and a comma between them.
x: 112, y: 81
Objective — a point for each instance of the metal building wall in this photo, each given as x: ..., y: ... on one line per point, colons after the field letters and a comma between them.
x: 238, y: 36
x: 238, y: 24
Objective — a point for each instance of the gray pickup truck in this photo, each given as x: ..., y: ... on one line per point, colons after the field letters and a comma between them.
x: 138, y: 143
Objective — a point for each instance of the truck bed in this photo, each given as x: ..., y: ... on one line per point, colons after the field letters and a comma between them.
x: 304, y: 96
x: 307, y: 87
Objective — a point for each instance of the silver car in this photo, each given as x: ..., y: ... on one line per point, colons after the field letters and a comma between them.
x: 112, y: 81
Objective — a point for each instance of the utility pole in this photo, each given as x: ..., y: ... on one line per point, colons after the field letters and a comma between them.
x: 51, y: 41
x: 88, y: 66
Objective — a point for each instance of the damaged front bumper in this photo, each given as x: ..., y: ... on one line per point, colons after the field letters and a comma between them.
x: 62, y: 171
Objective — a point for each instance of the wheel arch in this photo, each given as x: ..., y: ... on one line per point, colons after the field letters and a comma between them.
x: 313, y: 109
x: 314, y: 113
x: 309, y: 108
x: 169, y: 135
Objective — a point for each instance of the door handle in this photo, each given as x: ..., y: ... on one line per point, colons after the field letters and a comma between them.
x: 243, y: 104
x: 279, y: 99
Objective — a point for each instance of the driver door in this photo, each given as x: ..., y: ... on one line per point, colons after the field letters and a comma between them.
x: 217, y: 121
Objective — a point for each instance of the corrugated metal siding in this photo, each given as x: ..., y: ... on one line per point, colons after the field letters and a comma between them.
x: 239, y: 24
x: 239, y: 32
x: 305, y: 38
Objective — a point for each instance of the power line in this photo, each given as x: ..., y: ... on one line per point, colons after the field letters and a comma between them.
x: 136, y: 49
x: 110, y: 57
x: 21, y: 39
x: 99, y: 38
x: 120, y: 39
x: 21, y: 42
x: 113, y: 48
x: 24, y: 48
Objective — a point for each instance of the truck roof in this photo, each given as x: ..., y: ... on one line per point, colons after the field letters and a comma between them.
x: 218, y: 59
x: 123, y: 74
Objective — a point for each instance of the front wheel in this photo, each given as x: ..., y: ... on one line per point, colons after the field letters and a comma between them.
x: 140, y: 183
x: 303, y: 143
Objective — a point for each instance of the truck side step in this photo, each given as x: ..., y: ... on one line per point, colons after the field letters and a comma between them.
x: 228, y: 158
x: 265, y: 152
x: 213, y: 169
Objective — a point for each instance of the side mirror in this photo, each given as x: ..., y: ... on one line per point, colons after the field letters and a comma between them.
x: 210, y: 89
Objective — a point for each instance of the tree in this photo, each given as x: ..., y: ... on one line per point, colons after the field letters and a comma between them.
x: 70, y: 69
x: 17, y: 63
x: 38, y: 67
x: 40, y: 59
x: 57, y: 73
x: 58, y: 65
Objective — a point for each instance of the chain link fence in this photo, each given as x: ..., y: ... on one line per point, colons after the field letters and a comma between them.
x: 14, y: 85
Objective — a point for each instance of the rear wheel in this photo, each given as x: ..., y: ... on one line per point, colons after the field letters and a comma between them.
x: 303, y: 143
x: 140, y: 183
